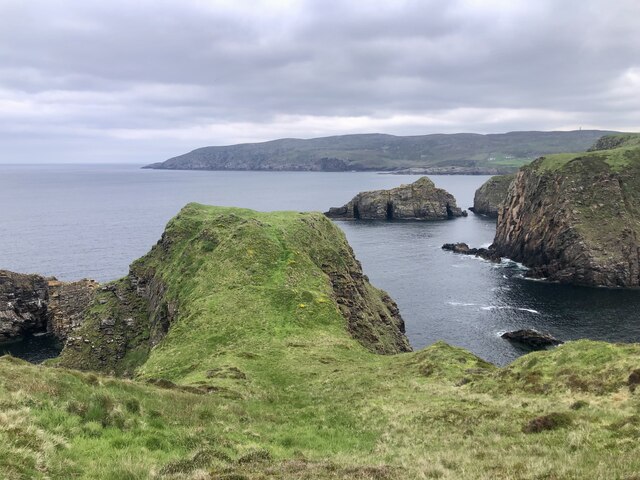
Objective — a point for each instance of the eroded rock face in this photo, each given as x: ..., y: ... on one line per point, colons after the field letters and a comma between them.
x: 23, y: 305
x: 420, y: 200
x: 34, y: 304
x: 67, y: 305
x: 490, y: 196
x: 579, y: 223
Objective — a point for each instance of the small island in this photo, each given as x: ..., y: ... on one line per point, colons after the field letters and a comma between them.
x: 420, y: 200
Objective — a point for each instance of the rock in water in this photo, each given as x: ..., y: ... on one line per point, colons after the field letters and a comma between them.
x: 532, y: 338
x: 490, y: 196
x: 576, y: 218
x: 464, y: 249
x: 420, y: 200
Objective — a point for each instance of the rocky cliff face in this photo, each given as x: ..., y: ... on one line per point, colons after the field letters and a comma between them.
x: 489, y: 197
x: 420, y: 200
x: 576, y: 219
x: 35, y: 304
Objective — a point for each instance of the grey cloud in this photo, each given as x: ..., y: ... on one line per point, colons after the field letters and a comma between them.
x: 124, y: 69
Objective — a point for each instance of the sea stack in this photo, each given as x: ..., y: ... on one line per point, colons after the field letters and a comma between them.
x: 420, y: 200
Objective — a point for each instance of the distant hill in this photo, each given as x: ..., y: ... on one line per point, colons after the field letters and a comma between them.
x: 438, y: 153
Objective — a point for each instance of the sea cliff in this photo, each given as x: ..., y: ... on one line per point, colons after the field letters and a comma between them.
x: 489, y: 197
x: 575, y: 218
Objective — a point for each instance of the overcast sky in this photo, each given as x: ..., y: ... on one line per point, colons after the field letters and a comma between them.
x: 144, y: 80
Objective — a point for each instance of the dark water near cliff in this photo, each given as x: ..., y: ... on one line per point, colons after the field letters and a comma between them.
x: 35, y: 349
x: 92, y: 221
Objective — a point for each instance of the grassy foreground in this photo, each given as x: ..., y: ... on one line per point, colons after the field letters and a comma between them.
x: 261, y: 376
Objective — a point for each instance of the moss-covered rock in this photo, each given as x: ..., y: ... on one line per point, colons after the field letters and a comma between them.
x: 218, y: 274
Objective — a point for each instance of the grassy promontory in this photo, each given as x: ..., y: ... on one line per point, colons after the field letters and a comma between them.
x: 255, y: 349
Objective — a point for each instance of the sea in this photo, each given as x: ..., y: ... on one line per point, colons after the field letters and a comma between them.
x: 92, y: 221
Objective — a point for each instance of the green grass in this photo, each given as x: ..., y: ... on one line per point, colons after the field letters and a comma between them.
x: 258, y: 377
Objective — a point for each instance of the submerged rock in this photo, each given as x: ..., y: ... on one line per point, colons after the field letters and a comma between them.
x: 31, y: 304
x: 420, y: 200
x: 490, y: 196
x: 532, y: 338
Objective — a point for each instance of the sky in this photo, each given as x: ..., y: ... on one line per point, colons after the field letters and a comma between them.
x: 141, y: 81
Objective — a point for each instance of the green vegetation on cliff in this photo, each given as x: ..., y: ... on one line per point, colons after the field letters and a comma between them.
x: 255, y: 350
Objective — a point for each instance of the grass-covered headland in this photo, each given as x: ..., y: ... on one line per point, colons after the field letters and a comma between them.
x: 250, y: 346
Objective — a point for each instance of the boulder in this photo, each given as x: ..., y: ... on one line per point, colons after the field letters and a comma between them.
x: 420, y: 200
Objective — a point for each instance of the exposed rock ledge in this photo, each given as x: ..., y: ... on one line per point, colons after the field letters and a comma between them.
x: 420, y: 200
x: 34, y: 304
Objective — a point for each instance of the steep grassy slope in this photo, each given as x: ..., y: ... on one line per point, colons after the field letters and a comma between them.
x: 466, y: 152
x: 576, y: 217
x: 247, y: 365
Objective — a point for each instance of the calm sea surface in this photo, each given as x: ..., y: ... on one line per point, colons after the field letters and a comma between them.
x: 92, y: 221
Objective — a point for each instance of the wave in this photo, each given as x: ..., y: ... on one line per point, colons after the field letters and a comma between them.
x: 506, y: 307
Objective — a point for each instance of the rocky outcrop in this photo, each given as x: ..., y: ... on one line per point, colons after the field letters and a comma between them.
x: 23, y: 305
x: 420, y: 200
x: 490, y: 196
x: 532, y: 338
x: 34, y: 304
x: 298, y: 268
x: 576, y: 220
x: 464, y: 249
x: 371, y: 314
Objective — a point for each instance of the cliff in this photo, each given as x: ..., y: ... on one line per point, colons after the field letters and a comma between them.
x: 277, y: 273
x: 420, y: 200
x: 34, y: 304
x: 458, y: 153
x: 575, y: 218
x: 490, y: 196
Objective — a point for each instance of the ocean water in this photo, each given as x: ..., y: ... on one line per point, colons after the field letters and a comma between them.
x: 91, y: 221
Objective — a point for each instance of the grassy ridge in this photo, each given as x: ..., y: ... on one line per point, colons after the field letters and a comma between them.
x: 259, y: 377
